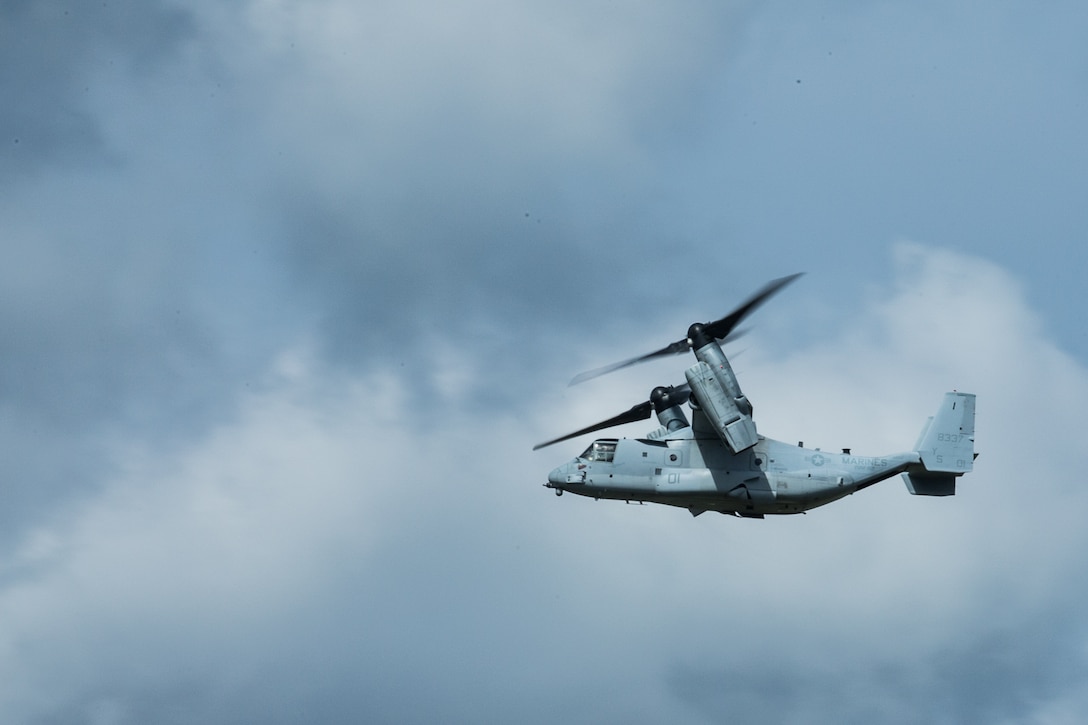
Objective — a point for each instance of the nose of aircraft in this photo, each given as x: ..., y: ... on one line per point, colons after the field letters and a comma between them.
x: 562, y: 478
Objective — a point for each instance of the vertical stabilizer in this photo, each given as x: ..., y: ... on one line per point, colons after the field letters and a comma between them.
x: 946, y: 448
x: 947, y: 444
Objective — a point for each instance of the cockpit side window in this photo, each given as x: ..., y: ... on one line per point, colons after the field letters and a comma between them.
x: 603, y: 451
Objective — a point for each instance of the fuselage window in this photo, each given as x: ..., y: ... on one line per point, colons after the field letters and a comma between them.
x: 603, y: 451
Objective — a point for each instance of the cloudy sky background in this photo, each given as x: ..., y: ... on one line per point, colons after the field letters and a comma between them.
x: 290, y: 289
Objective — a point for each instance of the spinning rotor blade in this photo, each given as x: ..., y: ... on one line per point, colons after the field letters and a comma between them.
x: 677, y: 395
x: 721, y: 328
x: 718, y: 329
x: 597, y: 372
x: 674, y: 349
x: 637, y: 412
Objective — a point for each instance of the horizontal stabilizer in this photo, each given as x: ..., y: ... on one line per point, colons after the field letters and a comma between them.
x: 931, y: 484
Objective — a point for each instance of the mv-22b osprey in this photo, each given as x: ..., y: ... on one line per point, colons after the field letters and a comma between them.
x: 718, y: 462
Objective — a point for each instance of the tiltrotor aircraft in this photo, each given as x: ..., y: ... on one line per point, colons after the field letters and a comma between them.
x: 716, y: 461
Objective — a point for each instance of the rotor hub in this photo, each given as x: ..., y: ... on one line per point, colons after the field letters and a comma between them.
x: 661, y: 399
x: 697, y: 336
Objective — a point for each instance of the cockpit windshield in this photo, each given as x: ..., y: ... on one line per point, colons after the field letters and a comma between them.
x: 603, y: 451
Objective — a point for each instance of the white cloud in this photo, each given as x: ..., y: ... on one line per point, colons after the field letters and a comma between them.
x: 339, y: 540
x: 231, y: 175
x: 390, y: 99
x: 191, y: 560
x: 884, y: 579
x: 335, y: 531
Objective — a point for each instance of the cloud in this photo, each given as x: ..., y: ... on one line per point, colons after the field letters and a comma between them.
x: 46, y: 51
x: 959, y: 607
x: 315, y: 556
x: 497, y: 157
x: 254, y: 173
x: 290, y: 290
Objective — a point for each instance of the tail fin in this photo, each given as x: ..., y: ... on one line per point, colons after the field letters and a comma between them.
x: 946, y: 447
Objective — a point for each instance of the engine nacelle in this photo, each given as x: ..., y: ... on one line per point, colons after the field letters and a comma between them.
x: 730, y: 415
x: 711, y: 353
x: 667, y: 406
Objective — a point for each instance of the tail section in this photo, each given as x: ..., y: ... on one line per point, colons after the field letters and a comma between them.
x: 946, y: 448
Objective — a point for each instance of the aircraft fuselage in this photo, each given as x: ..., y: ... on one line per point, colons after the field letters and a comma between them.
x: 702, y: 474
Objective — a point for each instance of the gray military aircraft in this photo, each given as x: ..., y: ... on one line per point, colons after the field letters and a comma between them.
x: 718, y: 462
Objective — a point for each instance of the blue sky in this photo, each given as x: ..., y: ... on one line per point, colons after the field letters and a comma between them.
x: 289, y: 291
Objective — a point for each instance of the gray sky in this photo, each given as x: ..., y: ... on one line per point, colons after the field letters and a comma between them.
x: 290, y: 289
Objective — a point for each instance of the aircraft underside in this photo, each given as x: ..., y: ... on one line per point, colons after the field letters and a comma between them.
x: 737, y: 503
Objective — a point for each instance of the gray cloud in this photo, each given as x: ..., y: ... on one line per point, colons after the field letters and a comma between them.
x: 119, y: 302
x: 48, y: 55
x: 316, y: 557
x: 290, y: 290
